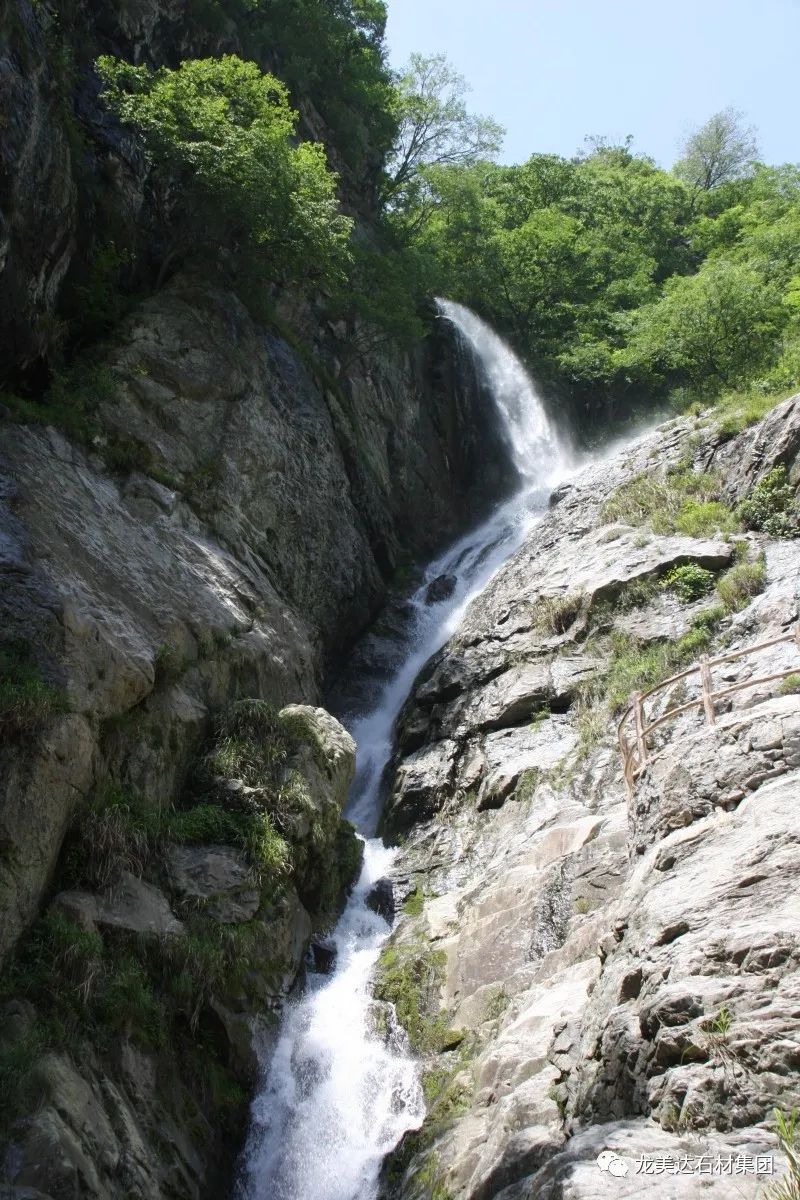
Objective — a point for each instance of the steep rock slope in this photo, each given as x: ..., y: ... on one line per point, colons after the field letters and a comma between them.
x: 224, y: 498
x: 587, y: 972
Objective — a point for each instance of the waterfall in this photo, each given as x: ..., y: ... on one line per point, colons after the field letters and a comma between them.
x: 338, y: 1094
x: 535, y: 447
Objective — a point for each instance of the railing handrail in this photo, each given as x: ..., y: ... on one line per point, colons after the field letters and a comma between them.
x: 637, y: 748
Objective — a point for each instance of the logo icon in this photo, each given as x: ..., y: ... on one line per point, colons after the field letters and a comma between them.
x: 610, y: 1161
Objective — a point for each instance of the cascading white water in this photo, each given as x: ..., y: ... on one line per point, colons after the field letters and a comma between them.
x: 337, y: 1095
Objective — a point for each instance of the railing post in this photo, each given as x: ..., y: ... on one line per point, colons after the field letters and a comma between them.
x: 708, y: 697
x: 638, y: 712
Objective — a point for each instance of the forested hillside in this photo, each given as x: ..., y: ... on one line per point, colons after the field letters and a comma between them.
x: 284, y: 153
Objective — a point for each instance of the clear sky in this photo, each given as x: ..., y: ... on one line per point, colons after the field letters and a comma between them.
x: 553, y: 71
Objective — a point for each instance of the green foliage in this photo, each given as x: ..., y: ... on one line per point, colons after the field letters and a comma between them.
x: 117, y: 832
x: 721, y: 150
x: 790, y: 685
x: 127, y: 1003
x: 772, y: 505
x: 434, y: 127
x: 18, y: 1088
x: 678, y: 501
x: 736, y: 411
x: 410, y: 977
x: 709, y: 618
x: 711, y: 329
x: 743, y: 581
x: 70, y: 402
x: 169, y: 664
x: 26, y: 700
x: 690, y: 581
x: 619, y: 282
x: 414, y: 904
x: 229, y: 170
x: 328, y: 52
x: 787, y: 1129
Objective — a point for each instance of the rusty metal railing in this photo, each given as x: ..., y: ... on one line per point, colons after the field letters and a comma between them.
x: 635, y: 751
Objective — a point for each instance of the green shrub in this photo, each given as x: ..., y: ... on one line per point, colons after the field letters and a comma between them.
x: 230, y: 170
x: 70, y: 402
x: 127, y: 1004
x: 790, y: 686
x: 690, y: 581
x: 26, y: 700
x: 741, y: 583
x: 771, y: 506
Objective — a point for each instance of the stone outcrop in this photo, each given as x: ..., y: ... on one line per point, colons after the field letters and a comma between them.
x: 126, y: 1110
x: 622, y: 974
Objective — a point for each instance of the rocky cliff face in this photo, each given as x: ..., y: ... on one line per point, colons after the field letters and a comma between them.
x: 220, y: 505
x: 604, y: 972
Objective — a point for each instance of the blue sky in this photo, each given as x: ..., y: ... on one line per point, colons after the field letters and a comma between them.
x: 552, y: 71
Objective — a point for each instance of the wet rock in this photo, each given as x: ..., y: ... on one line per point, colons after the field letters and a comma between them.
x: 440, y: 588
x: 558, y: 494
x: 380, y: 899
x: 424, y: 784
x: 323, y: 956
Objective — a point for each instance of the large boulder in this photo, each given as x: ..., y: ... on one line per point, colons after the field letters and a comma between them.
x: 131, y: 905
x: 217, y: 879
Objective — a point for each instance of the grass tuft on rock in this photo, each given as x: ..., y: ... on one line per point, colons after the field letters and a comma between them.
x: 743, y: 581
x: 27, y: 701
x: 679, y: 500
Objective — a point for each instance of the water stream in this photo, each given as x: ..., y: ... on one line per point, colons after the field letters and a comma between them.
x: 337, y: 1095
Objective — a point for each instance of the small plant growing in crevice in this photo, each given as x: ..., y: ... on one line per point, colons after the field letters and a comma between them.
x: 790, y: 686
x: 772, y: 506
x: 169, y: 664
x: 556, y: 614
x: 497, y: 1004
x: 414, y: 904
x: 409, y: 976
x: 27, y: 701
x: 787, y: 1129
x: 689, y: 582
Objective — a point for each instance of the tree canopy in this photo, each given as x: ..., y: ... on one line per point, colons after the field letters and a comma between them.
x: 617, y: 281
x: 228, y: 169
x: 435, y: 127
x: 719, y: 151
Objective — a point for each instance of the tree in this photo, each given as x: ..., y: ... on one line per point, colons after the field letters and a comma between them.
x: 721, y: 150
x: 228, y: 172
x: 711, y: 329
x: 434, y: 127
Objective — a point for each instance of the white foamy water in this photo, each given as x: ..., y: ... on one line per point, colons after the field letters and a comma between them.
x: 337, y: 1096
